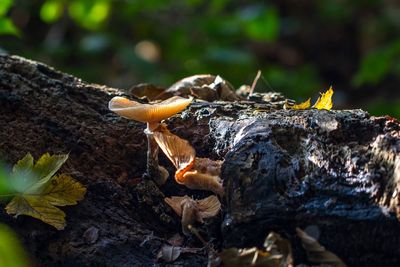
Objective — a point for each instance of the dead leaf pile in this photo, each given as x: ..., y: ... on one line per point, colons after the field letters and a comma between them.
x: 37, y: 190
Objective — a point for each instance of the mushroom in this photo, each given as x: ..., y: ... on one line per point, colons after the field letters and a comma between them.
x: 193, y: 172
x: 193, y: 210
x: 152, y: 115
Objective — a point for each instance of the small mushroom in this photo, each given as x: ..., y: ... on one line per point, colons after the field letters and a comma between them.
x: 193, y: 172
x: 193, y: 210
x: 152, y: 114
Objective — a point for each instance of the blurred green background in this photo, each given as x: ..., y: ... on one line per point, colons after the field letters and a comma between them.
x: 301, y: 46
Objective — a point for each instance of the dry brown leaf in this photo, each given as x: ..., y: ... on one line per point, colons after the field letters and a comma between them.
x: 169, y: 253
x: 317, y: 253
x: 176, y: 240
x: 149, y: 91
x: 276, y: 253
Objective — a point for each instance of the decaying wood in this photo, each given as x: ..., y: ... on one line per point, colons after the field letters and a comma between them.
x: 334, y: 171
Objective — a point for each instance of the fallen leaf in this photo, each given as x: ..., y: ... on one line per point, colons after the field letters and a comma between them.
x: 91, y: 235
x: 38, y: 190
x: 169, y: 253
x: 277, y: 252
x: 317, y: 253
x: 149, y: 91
x: 25, y: 174
x: 305, y: 105
x: 205, y: 86
x: 176, y: 240
x: 325, y: 100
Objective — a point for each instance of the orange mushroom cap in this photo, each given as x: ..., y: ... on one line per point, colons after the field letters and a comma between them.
x: 193, y: 172
x: 148, y: 112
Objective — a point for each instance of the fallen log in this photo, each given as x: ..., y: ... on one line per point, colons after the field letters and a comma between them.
x: 334, y: 172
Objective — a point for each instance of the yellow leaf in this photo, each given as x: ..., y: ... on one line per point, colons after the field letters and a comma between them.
x: 325, y: 100
x: 47, y: 165
x: 38, y: 208
x: 304, y: 105
x: 45, y: 191
x: 62, y: 190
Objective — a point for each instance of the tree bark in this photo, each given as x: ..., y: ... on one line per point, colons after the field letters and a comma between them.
x: 336, y: 172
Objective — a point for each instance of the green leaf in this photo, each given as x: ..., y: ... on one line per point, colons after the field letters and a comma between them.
x: 7, y: 27
x: 5, y: 6
x: 89, y: 14
x: 261, y: 24
x: 51, y: 10
x: 22, y: 175
x: 6, y: 186
x: 12, y: 253
x: 377, y: 64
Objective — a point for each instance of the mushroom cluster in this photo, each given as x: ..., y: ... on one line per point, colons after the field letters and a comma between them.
x: 152, y: 115
x: 191, y: 171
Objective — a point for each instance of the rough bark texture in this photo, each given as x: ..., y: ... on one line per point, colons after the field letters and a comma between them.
x: 337, y: 172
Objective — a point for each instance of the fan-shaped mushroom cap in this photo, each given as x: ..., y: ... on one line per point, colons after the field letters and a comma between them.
x: 148, y: 112
x: 203, y: 181
x: 193, y: 210
x: 194, y: 173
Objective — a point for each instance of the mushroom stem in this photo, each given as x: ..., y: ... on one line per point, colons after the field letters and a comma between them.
x: 153, y: 169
